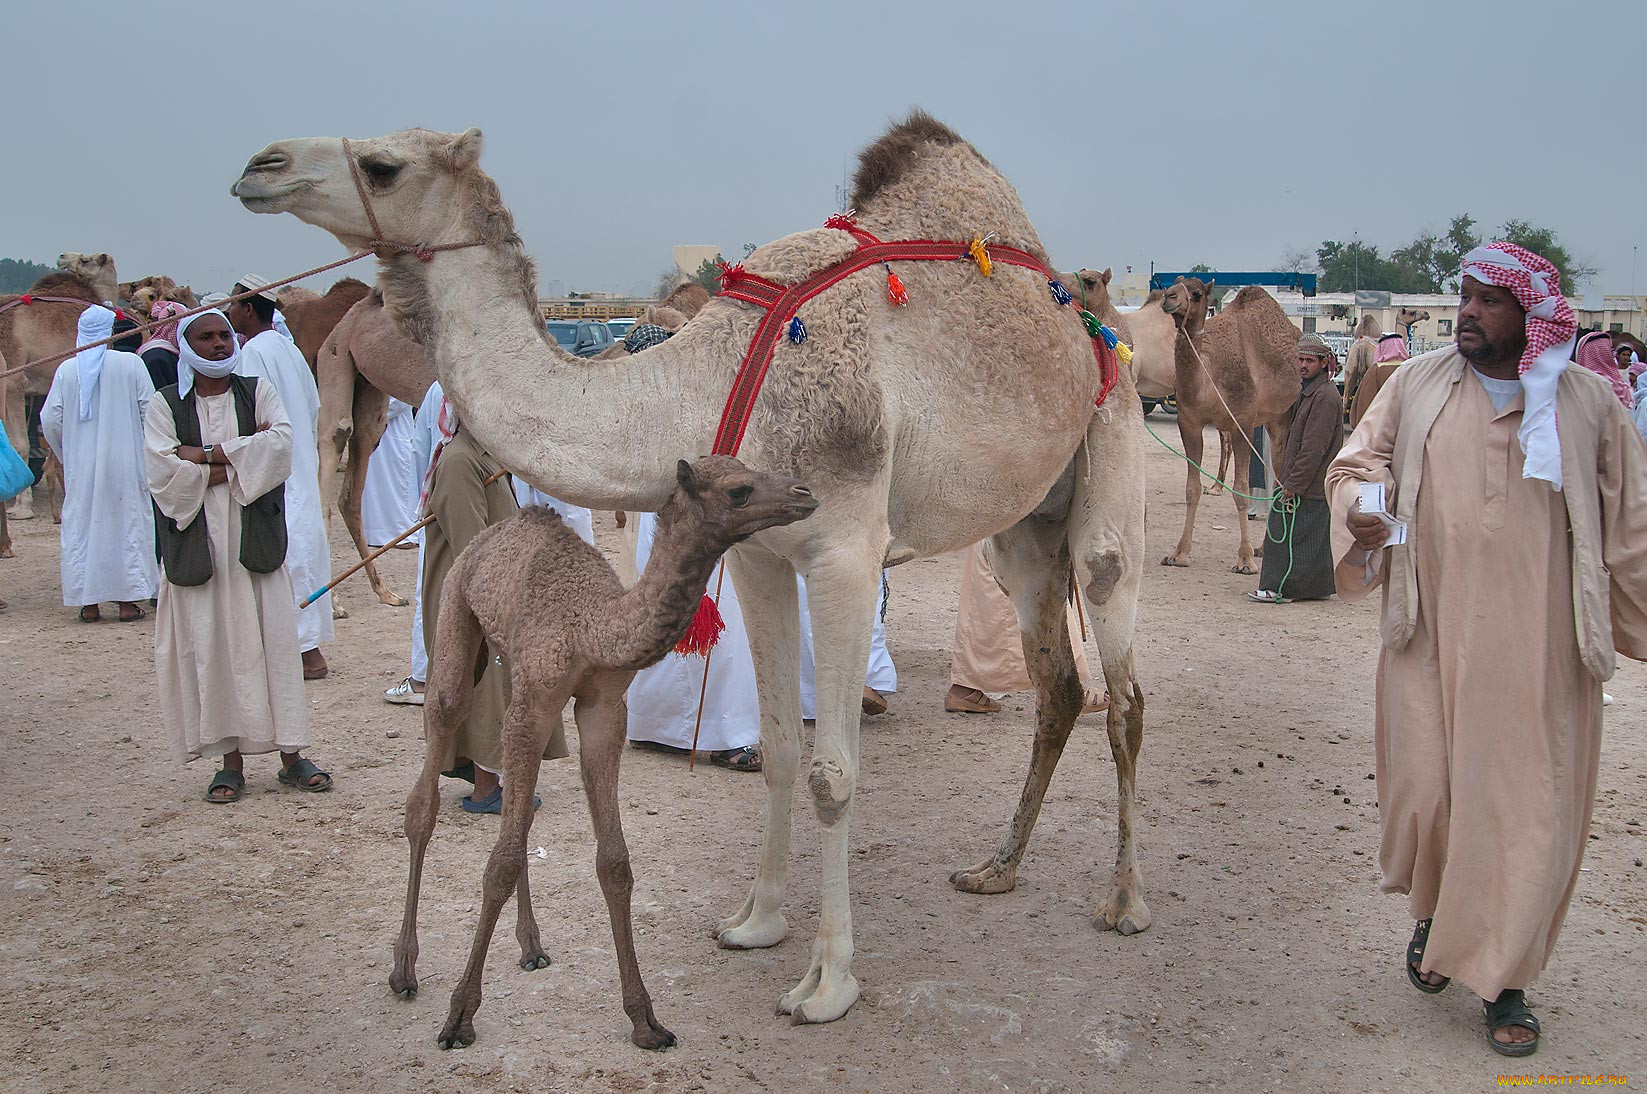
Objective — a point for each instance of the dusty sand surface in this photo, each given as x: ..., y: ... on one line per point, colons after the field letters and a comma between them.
x: 155, y: 942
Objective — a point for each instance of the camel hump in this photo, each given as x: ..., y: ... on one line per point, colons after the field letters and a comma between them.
x: 64, y: 283
x: 888, y: 159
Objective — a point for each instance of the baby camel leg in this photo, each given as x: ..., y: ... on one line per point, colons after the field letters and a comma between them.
x: 603, y: 718
x: 525, y: 733
x: 450, y: 694
x: 1032, y: 562
x: 532, y: 954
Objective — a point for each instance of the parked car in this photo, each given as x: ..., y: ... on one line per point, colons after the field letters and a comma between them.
x: 583, y: 337
x: 620, y: 327
x: 1168, y: 404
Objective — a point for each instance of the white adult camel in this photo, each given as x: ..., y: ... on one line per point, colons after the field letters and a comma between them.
x: 921, y: 429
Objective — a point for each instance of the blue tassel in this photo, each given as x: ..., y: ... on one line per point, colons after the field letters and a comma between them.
x: 1059, y: 293
x: 1109, y: 336
x: 797, y: 330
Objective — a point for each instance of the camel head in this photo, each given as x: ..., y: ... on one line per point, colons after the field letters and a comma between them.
x: 146, y: 292
x: 1407, y: 317
x: 97, y: 268
x: 1092, y: 288
x: 1368, y: 327
x: 422, y: 186
x: 727, y: 503
x: 1189, y: 298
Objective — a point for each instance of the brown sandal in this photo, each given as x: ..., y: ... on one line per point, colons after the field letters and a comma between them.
x: 972, y: 701
x: 91, y: 613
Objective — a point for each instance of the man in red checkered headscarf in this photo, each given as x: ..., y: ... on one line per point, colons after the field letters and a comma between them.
x: 1521, y: 490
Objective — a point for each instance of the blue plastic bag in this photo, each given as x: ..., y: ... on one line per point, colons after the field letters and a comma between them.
x: 15, y: 476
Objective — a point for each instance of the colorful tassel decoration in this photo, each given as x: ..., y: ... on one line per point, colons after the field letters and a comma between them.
x: 841, y: 221
x: 730, y: 274
x: 1059, y: 293
x: 895, y: 290
x: 1095, y: 329
x: 1124, y: 352
x: 1111, y: 339
x: 980, y: 255
x: 797, y: 330
x: 705, y: 630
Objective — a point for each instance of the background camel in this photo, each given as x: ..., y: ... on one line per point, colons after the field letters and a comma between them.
x: 530, y: 590
x: 146, y: 292
x: 1238, y: 372
x: 312, y: 318
x: 363, y: 362
x: 688, y: 298
x: 921, y: 430
x: 38, y: 332
x: 1360, y: 358
x: 96, y: 268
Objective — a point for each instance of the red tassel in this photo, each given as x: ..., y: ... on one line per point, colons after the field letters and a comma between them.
x: 705, y: 630
x: 895, y: 289
x: 844, y: 222
x: 27, y: 299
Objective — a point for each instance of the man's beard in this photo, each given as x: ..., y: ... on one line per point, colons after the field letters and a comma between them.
x: 1489, y: 353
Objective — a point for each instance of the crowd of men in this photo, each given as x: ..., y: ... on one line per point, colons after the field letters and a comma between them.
x: 1517, y: 482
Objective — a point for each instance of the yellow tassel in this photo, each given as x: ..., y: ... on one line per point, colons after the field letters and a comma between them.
x: 980, y: 255
x: 1124, y: 352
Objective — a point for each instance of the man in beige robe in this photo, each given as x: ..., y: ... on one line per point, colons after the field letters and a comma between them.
x: 463, y: 503
x: 1524, y: 567
x: 989, y: 649
x: 225, y: 652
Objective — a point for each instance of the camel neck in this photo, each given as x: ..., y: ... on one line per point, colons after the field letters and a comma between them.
x: 652, y: 615
x: 602, y: 434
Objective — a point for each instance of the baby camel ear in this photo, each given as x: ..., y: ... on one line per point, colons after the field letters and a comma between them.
x: 465, y: 150
x: 684, y: 476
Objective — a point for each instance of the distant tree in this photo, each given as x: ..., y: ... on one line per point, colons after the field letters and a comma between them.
x: 17, y: 274
x: 1346, y: 267
x: 1200, y: 268
x: 1543, y: 241
x: 1296, y: 260
x: 748, y: 249
x: 1430, y: 262
x: 708, y: 275
x: 668, y: 281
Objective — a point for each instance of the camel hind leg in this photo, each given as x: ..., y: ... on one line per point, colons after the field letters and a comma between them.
x: 1107, y: 541
x: 1193, y: 438
x: 448, y: 699
x: 1241, y: 450
x: 603, y: 718
x: 1217, y: 486
x: 1031, y: 560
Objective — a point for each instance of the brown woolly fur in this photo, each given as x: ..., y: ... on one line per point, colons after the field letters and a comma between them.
x: 65, y: 283
x: 552, y: 607
x: 796, y: 257
x: 884, y: 162
x: 688, y: 299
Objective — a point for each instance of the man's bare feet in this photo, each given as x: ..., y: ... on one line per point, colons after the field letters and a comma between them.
x: 314, y: 665
x: 964, y: 700
x: 874, y: 702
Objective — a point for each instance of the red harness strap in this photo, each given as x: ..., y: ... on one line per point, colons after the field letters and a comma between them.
x: 782, y: 302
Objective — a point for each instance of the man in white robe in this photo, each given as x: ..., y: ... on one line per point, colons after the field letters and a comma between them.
x: 388, y: 504
x: 270, y: 354
x: 410, y: 690
x: 225, y: 649
x: 93, y: 420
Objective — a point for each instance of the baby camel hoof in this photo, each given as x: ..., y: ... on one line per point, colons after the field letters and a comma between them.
x: 754, y: 934
x: 1124, y: 917
x: 392, y: 600
x: 403, y: 986
x: 1173, y: 560
x: 989, y: 878
x: 460, y: 1037
x: 1243, y: 568
x: 653, y: 1037
x: 531, y: 961
x: 826, y: 1004
x: 339, y: 612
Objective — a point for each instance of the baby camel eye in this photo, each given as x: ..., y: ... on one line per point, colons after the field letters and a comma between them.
x: 740, y: 495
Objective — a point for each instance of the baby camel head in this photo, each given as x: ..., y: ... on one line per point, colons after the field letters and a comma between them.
x: 728, y: 502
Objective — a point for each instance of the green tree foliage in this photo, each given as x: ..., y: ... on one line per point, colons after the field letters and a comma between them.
x: 708, y: 275
x: 1430, y: 262
x: 17, y: 274
x: 1200, y: 268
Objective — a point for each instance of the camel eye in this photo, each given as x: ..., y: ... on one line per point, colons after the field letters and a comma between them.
x: 740, y: 495
x: 381, y: 172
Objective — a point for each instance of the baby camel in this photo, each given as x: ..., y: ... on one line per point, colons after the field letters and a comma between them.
x: 531, y: 590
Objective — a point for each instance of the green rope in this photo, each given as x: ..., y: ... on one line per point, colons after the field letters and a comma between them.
x: 1289, y: 508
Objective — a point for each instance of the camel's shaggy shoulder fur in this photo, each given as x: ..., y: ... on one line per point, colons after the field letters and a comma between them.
x: 66, y: 283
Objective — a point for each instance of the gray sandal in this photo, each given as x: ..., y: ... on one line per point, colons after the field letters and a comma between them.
x: 1510, y: 1009
x: 301, y: 772
x: 232, y: 781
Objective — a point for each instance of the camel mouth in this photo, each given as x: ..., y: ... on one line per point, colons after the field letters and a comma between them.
x: 261, y: 196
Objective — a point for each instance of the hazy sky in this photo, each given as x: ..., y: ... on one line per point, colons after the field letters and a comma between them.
x: 1175, y: 133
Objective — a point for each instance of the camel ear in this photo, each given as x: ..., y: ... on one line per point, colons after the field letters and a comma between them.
x: 1210, y: 284
x: 684, y: 476
x: 103, y: 259
x: 1109, y: 272
x: 465, y: 150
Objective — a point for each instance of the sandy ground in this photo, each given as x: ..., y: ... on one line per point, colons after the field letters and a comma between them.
x: 155, y: 942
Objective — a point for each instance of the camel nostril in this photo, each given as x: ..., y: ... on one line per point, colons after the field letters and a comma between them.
x: 269, y: 161
x: 801, y: 490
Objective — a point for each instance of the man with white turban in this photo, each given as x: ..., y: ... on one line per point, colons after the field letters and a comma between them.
x: 217, y: 451
x: 1524, y: 498
x: 93, y: 420
x: 268, y: 353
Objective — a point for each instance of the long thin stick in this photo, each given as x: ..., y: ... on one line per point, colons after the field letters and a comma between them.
x: 1080, y: 613
x: 357, y: 567
x: 703, y: 689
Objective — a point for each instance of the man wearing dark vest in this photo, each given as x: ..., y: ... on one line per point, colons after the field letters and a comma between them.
x: 217, y: 451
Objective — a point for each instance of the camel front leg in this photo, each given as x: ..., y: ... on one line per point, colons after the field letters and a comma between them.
x: 603, y: 718
x: 1194, y: 441
x: 771, y: 619
x: 1032, y: 562
x: 1241, y: 450
x: 843, y: 589
x: 16, y: 417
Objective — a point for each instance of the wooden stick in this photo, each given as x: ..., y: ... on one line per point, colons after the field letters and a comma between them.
x: 357, y: 567
x: 1080, y: 613
x: 703, y: 689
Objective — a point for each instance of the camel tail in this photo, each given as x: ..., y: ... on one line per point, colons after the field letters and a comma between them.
x: 453, y: 669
